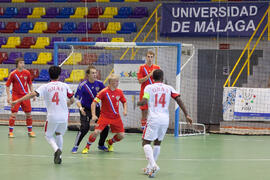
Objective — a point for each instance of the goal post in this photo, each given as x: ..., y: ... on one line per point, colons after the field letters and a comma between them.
x: 128, y: 55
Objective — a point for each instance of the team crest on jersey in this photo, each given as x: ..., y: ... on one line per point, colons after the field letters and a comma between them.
x: 25, y: 77
x: 117, y: 97
x: 97, y: 88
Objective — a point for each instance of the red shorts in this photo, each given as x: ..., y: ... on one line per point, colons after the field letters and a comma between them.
x: 116, y: 125
x: 144, y: 107
x: 26, y: 105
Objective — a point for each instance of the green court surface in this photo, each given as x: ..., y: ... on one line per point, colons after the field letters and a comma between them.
x: 209, y: 157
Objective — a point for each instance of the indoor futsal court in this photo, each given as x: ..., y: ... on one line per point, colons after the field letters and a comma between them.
x: 206, y: 157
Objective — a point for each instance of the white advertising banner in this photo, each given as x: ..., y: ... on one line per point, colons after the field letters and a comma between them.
x: 250, y: 104
x: 127, y: 71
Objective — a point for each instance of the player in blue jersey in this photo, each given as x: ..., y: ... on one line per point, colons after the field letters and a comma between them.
x: 85, y: 94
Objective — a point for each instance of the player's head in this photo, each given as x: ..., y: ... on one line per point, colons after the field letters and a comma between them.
x: 91, y: 73
x: 150, y: 57
x: 113, y: 80
x: 54, y: 72
x: 19, y: 63
x: 158, y: 75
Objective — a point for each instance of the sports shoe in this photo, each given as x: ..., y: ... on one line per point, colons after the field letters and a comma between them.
x: 85, y: 151
x: 31, y: 134
x: 110, y: 147
x: 11, y: 135
x: 103, y: 148
x: 57, y: 156
x: 153, y: 172
x: 146, y: 171
x: 74, y: 150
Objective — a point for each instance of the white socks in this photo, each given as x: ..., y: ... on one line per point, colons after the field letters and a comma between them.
x: 149, y: 155
x: 52, y: 142
x: 156, y: 151
x: 59, y: 141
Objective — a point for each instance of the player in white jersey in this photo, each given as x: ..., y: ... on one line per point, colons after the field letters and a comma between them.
x: 55, y: 95
x: 157, y: 96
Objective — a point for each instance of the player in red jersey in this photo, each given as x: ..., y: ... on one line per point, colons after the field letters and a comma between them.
x: 145, y: 77
x: 109, y: 115
x: 20, y: 79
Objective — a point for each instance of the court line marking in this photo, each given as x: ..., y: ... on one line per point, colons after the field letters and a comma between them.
x: 85, y: 156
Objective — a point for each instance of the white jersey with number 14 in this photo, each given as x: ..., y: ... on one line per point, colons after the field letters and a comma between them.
x: 159, y: 95
x: 55, y: 95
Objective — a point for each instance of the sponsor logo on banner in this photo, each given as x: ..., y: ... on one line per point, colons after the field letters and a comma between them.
x: 212, y: 19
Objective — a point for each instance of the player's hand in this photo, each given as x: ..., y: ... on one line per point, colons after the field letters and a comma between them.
x: 34, y: 98
x: 82, y: 111
x: 188, y: 119
x: 12, y: 103
x: 9, y: 100
x: 125, y: 113
x: 94, y: 118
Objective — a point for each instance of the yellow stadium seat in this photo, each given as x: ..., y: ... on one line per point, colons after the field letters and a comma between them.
x: 116, y: 40
x: 109, y: 12
x: 37, y: 12
x: 17, y: 1
x: 41, y: 43
x: 12, y: 42
x: 131, y: 0
x: 43, y: 58
x: 76, y: 75
x: 74, y: 59
x: 112, y: 28
x: 39, y: 27
x: 3, y: 73
x: 102, y: 0
x: 80, y: 12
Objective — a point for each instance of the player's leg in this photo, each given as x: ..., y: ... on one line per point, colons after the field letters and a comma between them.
x: 117, y: 128
x: 93, y: 136
x: 50, y: 128
x: 150, y: 134
x: 144, y: 110
x: 103, y: 134
x: 26, y: 107
x: 162, y: 129
x: 84, y: 128
x: 59, y: 133
x: 12, y: 117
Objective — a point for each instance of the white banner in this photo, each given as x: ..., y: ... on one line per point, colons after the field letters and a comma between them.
x: 127, y: 71
x: 251, y: 104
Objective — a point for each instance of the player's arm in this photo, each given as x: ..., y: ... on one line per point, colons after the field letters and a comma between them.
x: 144, y: 100
x: 70, y: 101
x: 125, y: 108
x: 32, y: 90
x: 8, y: 94
x: 93, y: 109
x: 26, y: 97
x: 182, y: 106
x: 142, y: 80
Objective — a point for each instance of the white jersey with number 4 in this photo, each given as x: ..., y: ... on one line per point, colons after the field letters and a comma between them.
x: 159, y: 95
x: 55, y: 95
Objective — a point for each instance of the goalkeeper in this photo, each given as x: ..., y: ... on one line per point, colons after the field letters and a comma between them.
x: 86, y: 92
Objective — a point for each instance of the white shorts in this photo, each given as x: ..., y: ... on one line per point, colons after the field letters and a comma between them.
x: 52, y: 127
x: 154, y: 131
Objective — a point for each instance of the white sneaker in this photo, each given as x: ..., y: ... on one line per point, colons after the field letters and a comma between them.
x: 146, y: 171
x: 153, y: 172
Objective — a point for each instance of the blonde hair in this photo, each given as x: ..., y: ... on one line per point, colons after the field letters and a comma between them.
x: 113, y: 77
x: 151, y: 53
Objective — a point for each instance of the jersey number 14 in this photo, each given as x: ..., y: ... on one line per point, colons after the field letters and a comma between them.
x: 160, y: 100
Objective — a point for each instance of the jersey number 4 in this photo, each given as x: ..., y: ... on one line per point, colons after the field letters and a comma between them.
x: 161, y: 100
x: 55, y: 98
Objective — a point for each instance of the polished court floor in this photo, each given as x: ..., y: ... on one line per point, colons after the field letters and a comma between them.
x: 209, y: 157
